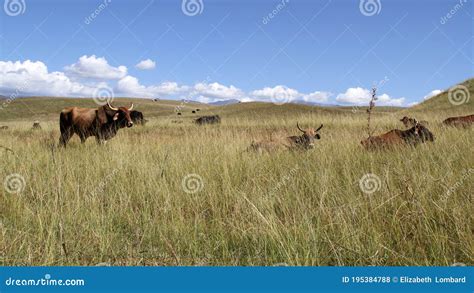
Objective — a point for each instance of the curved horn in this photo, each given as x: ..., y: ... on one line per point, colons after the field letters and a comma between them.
x: 110, y: 106
x: 319, y: 128
x: 130, y: 108
x: 299, y: 128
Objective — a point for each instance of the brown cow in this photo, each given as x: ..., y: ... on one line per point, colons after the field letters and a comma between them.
x: 461, y: 121
x: 413, y: 136
x: 302, y: 142
x: 103, y: 123
x: 410, y: 122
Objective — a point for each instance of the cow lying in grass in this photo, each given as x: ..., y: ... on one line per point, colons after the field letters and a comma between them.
x: 413, y: 136
x: 302, y: 142
x: 462, y: 121
x: 410, y: 122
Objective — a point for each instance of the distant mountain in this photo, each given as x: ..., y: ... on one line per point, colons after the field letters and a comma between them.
x: 225, y: 102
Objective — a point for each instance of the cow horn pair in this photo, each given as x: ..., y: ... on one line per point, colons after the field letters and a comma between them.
x: 116, y: 109
x: 299, y: 128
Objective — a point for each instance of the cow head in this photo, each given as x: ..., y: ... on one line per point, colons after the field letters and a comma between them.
x: 119, y: 116
x: 309, y: 135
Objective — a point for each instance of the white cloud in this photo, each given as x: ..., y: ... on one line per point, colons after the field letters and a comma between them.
x: 95, y: 68
x: 278, y: 93
x: 130, y: 85
x: 146, y: 64
x: 361, y: 96
x: 413, y: 104
x: 215, y: 92
x: 317, y: 97
x: 30, y: 77
x: 432, y: 94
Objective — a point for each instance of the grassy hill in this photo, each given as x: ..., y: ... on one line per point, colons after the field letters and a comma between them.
x: 456, y: 102
x: 175, y: 193
x: 48, y: 109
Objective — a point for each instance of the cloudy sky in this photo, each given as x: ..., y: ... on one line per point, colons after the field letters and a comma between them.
x: 329, y: 51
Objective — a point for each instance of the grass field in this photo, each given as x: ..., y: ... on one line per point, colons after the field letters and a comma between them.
x: 173, y: 193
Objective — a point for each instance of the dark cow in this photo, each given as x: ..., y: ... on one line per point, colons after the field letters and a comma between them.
x: 197, y: 110
x: 137, y: 118
x: 36, y: 125
x: 3, y: 127
x: 103, y: 122
x: 461, y: 121
x: 413, y: 136
x: 302, y: 142
x: 179, y: 114
x: 410, y: 122
x: 193, y: 111
x: 213, y: 119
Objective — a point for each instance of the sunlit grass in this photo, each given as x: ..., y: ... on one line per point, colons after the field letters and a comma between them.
x: 124, y: 203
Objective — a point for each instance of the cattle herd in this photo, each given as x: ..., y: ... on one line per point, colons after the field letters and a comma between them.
x: 104, y: 122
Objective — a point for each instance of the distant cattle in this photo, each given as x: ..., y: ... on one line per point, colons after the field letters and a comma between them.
x: 302, y: 142
x: 213, y: 119
x: 137, y: 117
x: 36, y: 125
x: 410, y: 122
x: 3, y: 127
x: 413, y: 136
x: 103, y: 122
x: 179, y: 114
x: 461, y: 121
x: 194, y: 112
x: 197, y: 110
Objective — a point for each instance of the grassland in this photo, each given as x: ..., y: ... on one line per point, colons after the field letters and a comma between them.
x: 125, y: 203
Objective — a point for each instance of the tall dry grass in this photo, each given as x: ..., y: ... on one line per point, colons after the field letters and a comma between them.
x: 125, y: 204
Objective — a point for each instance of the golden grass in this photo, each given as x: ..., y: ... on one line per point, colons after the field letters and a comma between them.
x: 124, y: 203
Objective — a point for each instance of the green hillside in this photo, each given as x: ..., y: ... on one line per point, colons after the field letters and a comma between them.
x: 463, y: 102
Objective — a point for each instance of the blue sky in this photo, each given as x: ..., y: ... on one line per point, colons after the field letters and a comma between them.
x: 330, y: 51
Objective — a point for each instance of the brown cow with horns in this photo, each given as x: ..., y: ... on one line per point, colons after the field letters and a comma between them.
x: 103, y: 123
x: 301, y: 142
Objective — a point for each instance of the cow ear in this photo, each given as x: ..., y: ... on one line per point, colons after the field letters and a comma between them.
x: 102, y: 115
